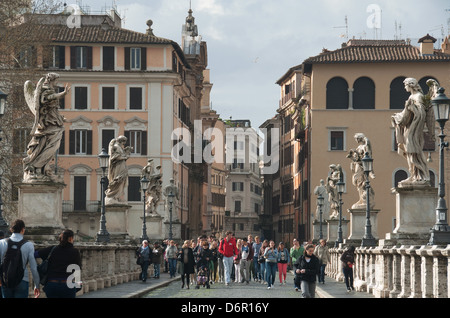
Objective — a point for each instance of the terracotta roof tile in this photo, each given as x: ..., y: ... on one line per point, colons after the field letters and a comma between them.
x: 376, y: 51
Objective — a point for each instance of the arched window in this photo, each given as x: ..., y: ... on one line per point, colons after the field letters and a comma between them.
x: 400, y: 175
x: 364, y: 93
x: 337, y: 93
x: 423, y: 83
x: 398, y: 94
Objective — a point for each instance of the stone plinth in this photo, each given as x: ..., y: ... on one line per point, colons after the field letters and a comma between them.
x: 117, y: 223
x: 176, y: 230
x: 40, y: 207
x: 154, y: 226
x: 358, y: 223
x: 316, y: 230
x: 415, y: 215
x: 332, y: 229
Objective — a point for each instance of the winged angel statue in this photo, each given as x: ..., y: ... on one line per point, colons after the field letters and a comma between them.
x: 154, y: 191
x: 409, y: 127
x: 47, y: 130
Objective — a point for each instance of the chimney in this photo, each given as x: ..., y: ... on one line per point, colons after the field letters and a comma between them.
x: 427, y: 45
x: 445, y: 46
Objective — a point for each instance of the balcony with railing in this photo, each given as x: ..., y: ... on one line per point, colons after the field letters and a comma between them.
x: 81, y: 206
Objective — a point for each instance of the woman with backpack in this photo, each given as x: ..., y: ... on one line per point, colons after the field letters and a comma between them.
x: 60, y: 257
x: 283, y: 260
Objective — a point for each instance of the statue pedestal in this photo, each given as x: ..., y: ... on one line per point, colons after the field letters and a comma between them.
x: 176, y: 230
x: 117, y: 221
x: 40, y: 207
x: 316, y: 230
x: 415, y: 215
x: 332, y: 229
x: 358, y: 223
x: 154, y: 226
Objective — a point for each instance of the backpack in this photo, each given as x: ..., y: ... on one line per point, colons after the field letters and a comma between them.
x: 12, y: 269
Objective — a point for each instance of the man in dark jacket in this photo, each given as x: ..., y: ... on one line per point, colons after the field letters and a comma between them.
x: 306, y: 269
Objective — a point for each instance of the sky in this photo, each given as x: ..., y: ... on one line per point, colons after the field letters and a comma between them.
x: 253, y: 43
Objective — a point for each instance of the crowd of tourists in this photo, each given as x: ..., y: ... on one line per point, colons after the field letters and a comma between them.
x: 206, y: 261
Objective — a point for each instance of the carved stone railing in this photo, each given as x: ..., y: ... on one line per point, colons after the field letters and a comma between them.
x: 398, y: 271
x: 103, y: 266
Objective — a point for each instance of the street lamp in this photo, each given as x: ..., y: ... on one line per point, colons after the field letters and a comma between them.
x: 103, y: 235
x: 340, y: 188
x: 440, y: 232
x: 144, y: 187
x: 320, y: 200
x: 368, y: 239
x: 170, y: 199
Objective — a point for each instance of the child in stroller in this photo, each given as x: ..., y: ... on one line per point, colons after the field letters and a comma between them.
x: 202, y: 277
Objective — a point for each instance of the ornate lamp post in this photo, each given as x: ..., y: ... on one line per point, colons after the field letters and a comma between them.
x: 340, y: 188
x: 320, y: 200
x: 368, y: 239
x: 440, y: 233
x: 170, y: 199
x: 103, y: 235
x: 144, y: 187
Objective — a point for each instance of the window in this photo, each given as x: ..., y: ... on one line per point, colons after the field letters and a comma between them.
x: 108, y: 58
x: 134, y: 189
x: 135, y: 97
x: 287, y: 191
x: 432, y: 179
x: 257, y: 208
x: 135, y: 58
x: 81, y: 57
x: 62, y: 101
x: 337, y: 93
x: 364, y: 93
x: 80, y: 142
x: 137, y: 139
x: 237, y: 164
x: 287, y: 124
x: 79, y: 193
x: 237, y: 206
x: 27, y: 57
x: 108, y: 97
x: 55, y: 57
x: 81, y: 97
x: 399, y: 176
x: 107, y: 136
x: 336, y: 140
x: 398, y: 95
x: 238, y: 186
x: 21, y: 139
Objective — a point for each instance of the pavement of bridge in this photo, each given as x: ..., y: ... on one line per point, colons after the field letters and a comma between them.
x: 137, y: 289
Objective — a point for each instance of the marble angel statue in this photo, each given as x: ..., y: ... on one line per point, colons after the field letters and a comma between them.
x: 333, y: 178
x: 409, y: 129
x: 154, y: 190
x: 46, y: 133
x: 117, y: 170
x: 356, y: 167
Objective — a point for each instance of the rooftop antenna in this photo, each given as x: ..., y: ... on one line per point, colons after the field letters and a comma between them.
x: 346, y: 28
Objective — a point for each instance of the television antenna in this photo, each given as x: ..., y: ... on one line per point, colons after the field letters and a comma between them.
x: 346, y: 28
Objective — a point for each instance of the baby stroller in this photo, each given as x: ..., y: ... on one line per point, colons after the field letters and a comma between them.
x: 202, y: 277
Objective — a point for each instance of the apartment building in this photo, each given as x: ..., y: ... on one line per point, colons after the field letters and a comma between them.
x: 122, y: 83
x: 355, y: 89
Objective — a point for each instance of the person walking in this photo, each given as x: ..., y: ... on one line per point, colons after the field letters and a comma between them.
x: 172, y: 255
x: 296, y: 251
x: 145, y: 256
x: 256, y: 246
x: 271, y: 256
x: 228, y: 249
x: 348, y: 261
x: 27, y: 250
x: 282, y: 262
x: 157, y: 252
x: 306, y: 268
x: 246, y: 257
x: 60, y: 257
x: 262, y: 260
x: 220, y: 267
x: 323, y: 254
x: 214, y: 262
x: 237, y: 263
x: 186, y: 258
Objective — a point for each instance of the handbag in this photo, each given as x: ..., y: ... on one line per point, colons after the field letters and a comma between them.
x: 139, y: 260
x: 43, y: 268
